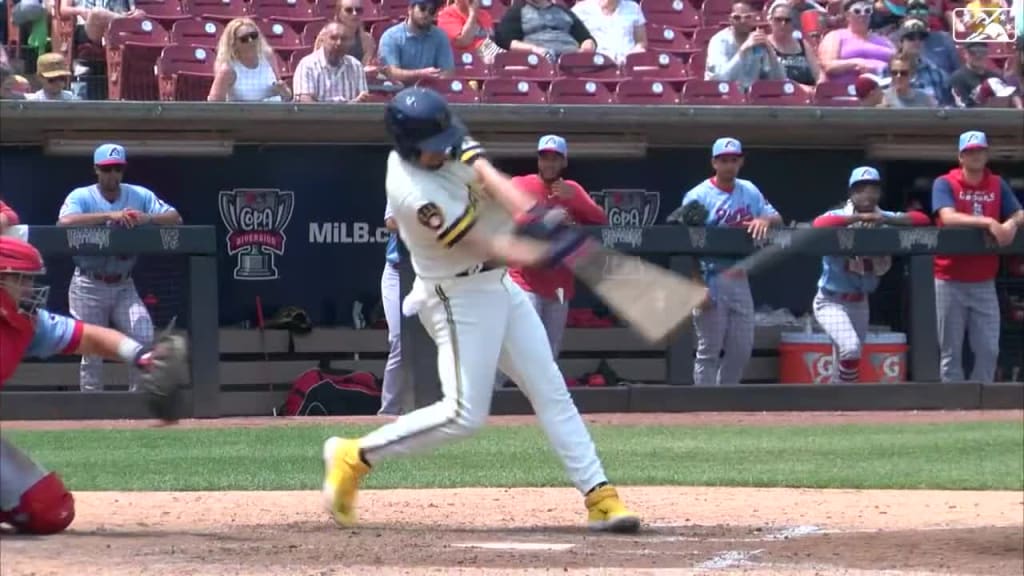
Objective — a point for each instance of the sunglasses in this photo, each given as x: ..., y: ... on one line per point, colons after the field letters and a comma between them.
x: 741, y: 17
x: 862, y: 10
x: 250, y: 37
x: 915, y: 36
x: 352, y: 9
x: 109, y: 169
x: 899, y: 73
x: 782, y: 19
x: 56, y: 80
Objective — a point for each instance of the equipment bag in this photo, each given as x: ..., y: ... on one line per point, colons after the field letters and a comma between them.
x: 318, y: 392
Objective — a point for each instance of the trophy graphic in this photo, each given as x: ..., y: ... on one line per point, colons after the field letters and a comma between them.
x: 629, y: 212
x: 256, y: 219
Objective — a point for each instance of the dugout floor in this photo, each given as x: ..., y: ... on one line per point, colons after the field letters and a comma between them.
x: 756, y: 531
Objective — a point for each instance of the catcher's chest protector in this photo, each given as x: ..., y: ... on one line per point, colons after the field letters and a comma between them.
x: 16, y: 333
x: 319, y: 393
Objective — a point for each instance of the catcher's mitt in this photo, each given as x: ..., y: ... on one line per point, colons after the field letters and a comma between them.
x: 164, y: 368
x: 692, y: 213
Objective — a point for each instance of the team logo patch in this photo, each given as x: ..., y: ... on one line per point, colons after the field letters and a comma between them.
x: 430, y: 216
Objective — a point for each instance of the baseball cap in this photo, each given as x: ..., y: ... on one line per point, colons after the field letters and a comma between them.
x: 726, y: 147
x: 52, y: 65
x: 553, y: 143
x: 865, y: 83
x: 973, y: 140
x: 911, y: 27
x: 109, y: 155
x: 994, y: 87
x: 915, y: 5
x: 863, y: 174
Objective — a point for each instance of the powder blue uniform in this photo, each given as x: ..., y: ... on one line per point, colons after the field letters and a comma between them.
x: 55, y: 334
x: 102, y: 290
x: 391, y: 297
x: 725, y: 329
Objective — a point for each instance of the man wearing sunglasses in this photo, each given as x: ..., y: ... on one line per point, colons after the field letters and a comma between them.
x: 102, y: 290
x: 53, y: 71
x: 415, y: 48
x: 741, y: 53
x: 937, y: 45
x: 927, y: 77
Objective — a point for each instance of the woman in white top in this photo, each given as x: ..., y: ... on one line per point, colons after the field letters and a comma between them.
x: 244, y: 70
x: 616, y: 25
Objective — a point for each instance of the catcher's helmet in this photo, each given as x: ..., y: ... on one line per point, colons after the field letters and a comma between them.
x: 20, y: 264
x: 418, y: 120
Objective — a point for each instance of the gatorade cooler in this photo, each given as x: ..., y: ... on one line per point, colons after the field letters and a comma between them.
x: 807, y: 357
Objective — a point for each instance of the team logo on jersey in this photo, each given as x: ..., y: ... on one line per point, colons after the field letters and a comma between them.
x: 430, y: 216
x: 256, y: 219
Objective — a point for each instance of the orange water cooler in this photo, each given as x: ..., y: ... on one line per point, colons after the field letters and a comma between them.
x: 806, y: 357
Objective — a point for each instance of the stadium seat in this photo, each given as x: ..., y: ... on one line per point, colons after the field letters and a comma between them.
x: 512, y: 91
x: 280, y: 36
x: 697, y: 64
x: 711, y: 93
x: 522, y: 65
x: 185, y: 73
x: 678, y: 14
x: 655, y: 65
x: 662, y: 39
x: 133, y: 45
x: 309, y: 32
x: 702, y: 37
x: 588, y: 66
x: 220, y: 10
x: 469, y: 66
x: 296, y: 13
x: 377, y: 29
x: 166, y: 12
x: 834, y: 94
x: 579, y: 91
x: 396, y: 9
x: 296, y: 57
x: 197, y: 32
x: 777, y: 93
x: 455, y: 91
x: 716, y: 13
x: 646, y: 92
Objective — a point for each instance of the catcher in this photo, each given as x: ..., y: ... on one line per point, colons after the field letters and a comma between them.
x: 32, y: 499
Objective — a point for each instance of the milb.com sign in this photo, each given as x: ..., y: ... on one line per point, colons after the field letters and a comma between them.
x: 346, y: 233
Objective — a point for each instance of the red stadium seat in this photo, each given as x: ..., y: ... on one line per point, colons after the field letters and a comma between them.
x: 777, y: 93
x: 133, y: 45
x: 702, y: 37
x: 455, y: 91
x: 697, y: 64
x: 280, y: 36
x: 296, y: 57
x: 589, y: 66
x: 677, y: 14
x: 378, y: 28
x: 715, y: 13
x: 397, y: 9
x: 711, y: 93
x: 469, y: 66
x: 662, y: 39
x: 220, y: 10
x: 310, y: 32
x: 835, y: 94
x: 512, y: 91
x: 166, y: 12
x: 522, y: 65
x: 197, y: 32
x: 579, y: 91
x: 185, y: 72
x: 646, y: 92
x: 655, y: 65
x: 297, y: 13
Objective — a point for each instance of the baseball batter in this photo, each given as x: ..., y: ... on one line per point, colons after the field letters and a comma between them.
x: 725, y: 326
x: 391, y: 296
x: 32, y: 499
x: 479, y: 319
x: 965, y: 291
x: 841, y: 304
x: 102, y: 290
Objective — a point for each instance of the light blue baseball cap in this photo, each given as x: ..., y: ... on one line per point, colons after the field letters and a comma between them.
x: 863, y: 174
x: 553, y: 143
x: 972, y: 140
x: 109, y: 155
x: 726, y: 147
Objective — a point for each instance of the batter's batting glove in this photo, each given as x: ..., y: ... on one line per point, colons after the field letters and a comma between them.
x: 541, y: 222
x: 164, y: 368
x: 692, y: 213
x: 469, y: 151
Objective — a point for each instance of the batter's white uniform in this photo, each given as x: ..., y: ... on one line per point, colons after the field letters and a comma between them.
x: 478, y: 318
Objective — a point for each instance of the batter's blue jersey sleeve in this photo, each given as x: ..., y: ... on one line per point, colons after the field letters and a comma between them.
x: 55, y: 334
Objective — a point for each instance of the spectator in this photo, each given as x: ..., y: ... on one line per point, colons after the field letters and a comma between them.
x: 901, y: 94
x: 870, y: 88
x: 849, y: 52
x: 971, y: 82
x: 469, y: 28
x: 797, y: 58
x: 797, y: 9
x: 363, y: 48
x: 930, y: 14
x: 927, y: 77
x: 329, y: 74
x: 938, y: 44
x: 741, y: 54
x: 53, y: 72
x: 886, y: 16
x: 244, y: 70
x: 543, y: 28
x: 617, y: 26
x: 415, y: 48
x: 93, y: 17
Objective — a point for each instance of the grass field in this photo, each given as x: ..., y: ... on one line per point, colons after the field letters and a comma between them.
x: 972, y: 456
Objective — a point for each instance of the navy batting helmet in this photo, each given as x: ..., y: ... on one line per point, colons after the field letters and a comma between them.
x: 418, y: 120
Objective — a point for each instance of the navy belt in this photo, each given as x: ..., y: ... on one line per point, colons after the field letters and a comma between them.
x: 844, y: 296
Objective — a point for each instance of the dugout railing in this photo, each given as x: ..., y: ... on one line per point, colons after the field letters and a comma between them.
x: 196, y: 248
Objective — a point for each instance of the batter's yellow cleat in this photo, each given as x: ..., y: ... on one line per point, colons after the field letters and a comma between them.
x: 343, y: 468
x: 606, y: 513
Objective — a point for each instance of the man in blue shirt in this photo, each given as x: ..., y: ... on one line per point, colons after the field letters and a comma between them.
x: 415, y: 48
x: 102, y: 290
x: 391, y: 297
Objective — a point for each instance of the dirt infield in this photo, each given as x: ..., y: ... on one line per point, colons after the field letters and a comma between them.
x: 499, y: 531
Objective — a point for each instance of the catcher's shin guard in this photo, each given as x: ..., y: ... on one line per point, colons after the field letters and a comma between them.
x: 45, y: 508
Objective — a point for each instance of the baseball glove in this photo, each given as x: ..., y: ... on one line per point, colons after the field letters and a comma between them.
x: 692, y: 213
x: 164, y: 369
